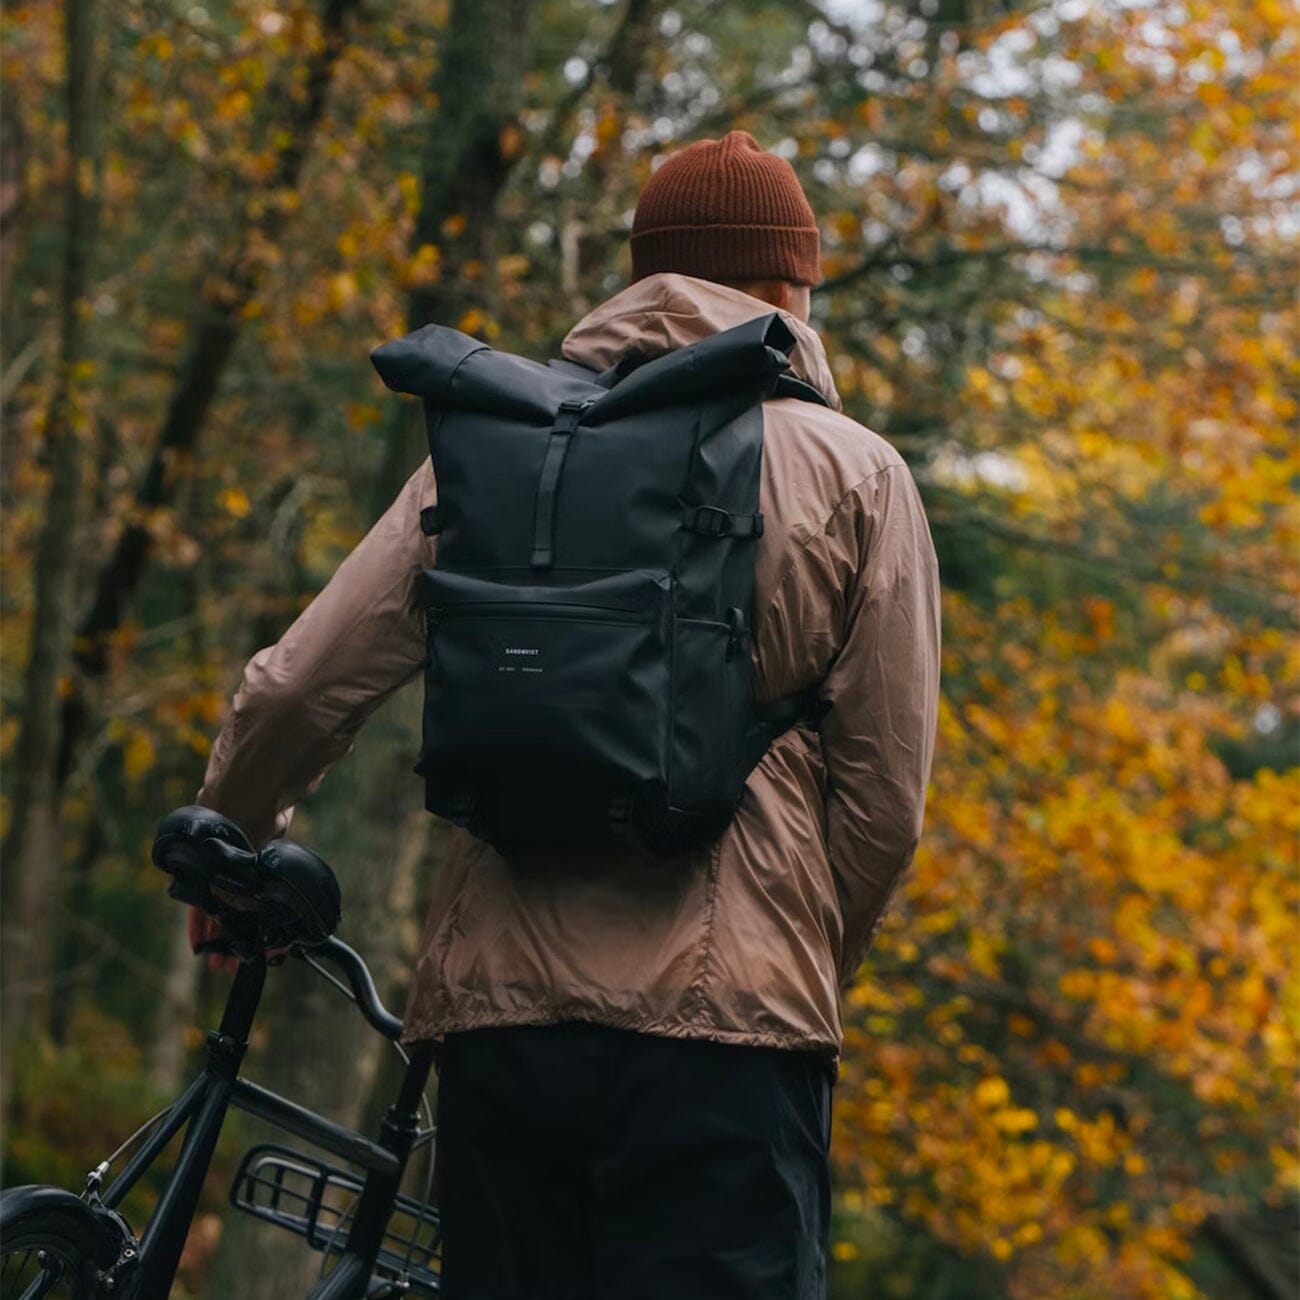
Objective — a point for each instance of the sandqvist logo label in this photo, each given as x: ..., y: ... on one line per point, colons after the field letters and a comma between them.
x: 520, y: 660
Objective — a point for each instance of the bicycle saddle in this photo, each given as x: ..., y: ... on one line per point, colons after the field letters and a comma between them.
x: 285, y: 895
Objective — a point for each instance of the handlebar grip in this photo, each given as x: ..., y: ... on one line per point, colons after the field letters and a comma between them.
x: 349, y: 961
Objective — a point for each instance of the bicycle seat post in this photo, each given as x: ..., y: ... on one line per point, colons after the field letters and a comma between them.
x: 241, y: 1005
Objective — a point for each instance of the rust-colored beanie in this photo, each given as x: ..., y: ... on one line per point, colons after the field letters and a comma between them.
x: 726, y: 210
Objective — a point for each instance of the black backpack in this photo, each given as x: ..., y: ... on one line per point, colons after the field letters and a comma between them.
x: 588, y: 679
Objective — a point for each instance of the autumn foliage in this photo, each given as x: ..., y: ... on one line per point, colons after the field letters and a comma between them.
x: 1060, y: 256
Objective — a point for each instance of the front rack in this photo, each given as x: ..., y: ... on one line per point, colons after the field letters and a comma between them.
x: 313, y: 1199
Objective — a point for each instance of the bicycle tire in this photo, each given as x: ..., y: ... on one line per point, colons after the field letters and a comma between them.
x: 48, y: 1253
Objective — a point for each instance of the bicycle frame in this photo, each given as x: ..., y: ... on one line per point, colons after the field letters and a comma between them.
x: 203, y: 1107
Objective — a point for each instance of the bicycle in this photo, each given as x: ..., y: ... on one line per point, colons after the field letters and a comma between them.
x: 283, y: 901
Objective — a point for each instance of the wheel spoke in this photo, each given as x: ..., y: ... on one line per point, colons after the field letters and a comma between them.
x: 51, y: 1269
x: 41, y: 1287
x: 47, y: 1251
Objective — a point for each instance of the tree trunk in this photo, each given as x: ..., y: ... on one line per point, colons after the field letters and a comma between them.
x: 33, y: 845
x: 168, y: 1053
x: 13, y: 149
x: 472, y: 147
x: 211, y: 344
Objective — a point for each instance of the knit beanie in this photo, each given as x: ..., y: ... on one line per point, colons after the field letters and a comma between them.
x: 726, y: 210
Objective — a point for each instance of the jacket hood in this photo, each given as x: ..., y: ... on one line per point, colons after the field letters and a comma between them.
x: 668, y: 311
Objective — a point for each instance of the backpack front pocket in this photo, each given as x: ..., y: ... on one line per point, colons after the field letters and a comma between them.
x: 545, y: 697
x: 712, y: 671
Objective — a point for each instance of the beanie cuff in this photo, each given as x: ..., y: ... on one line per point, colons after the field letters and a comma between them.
x: 732, y: 252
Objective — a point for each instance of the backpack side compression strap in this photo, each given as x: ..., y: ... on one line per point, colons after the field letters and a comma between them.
x: 776, y: 717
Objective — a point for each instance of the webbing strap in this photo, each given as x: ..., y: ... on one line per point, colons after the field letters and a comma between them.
x: 776, y: 717
x: 566, y: 421
x: 714, y: 521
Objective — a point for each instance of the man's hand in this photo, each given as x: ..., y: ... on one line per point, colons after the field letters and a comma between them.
x: 202, y: 928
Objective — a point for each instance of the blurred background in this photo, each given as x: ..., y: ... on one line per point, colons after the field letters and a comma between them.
x: 1060, y: 246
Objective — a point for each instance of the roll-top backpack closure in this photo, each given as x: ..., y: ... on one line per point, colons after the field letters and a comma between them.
x: 748, y: 356
x: 455, y: 372
x: 424, y: 362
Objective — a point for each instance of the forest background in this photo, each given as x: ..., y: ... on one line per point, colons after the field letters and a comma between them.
x: 1060, y: 255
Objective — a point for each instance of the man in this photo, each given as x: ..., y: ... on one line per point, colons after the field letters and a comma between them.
x: 634, y: 1093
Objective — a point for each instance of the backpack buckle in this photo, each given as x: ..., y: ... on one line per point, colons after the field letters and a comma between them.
x: 717, y: 523
x: 572, y: 409
x: 712, y: 521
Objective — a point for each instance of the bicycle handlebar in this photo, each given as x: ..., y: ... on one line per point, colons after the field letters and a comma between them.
x: 349, y: 961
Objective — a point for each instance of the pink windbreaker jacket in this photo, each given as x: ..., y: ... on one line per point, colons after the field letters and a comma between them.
x: 747, y: 941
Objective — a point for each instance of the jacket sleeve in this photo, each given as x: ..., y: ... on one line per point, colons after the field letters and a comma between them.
x: 878, y: 736
x: 302, y: 700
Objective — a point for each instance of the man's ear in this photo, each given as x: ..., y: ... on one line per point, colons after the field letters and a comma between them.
x: 777, y: 293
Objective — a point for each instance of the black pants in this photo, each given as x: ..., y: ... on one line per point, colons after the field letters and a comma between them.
x: 577, y: 1162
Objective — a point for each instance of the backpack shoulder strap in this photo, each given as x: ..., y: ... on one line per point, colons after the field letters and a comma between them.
x: 787, y: 385
x: 567, y: 367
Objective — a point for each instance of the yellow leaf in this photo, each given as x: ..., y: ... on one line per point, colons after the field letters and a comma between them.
x: 1015, y: 1120
x: 360, y: 414
x: 510, y: 140
x: 234, y: 105
x: 234, y: 501
x: 422, y: 266
x: 408, y: 185
x: 138, y: 756
x: 1102, y: 950
x: 342, y: 290
x: 992, y: 1092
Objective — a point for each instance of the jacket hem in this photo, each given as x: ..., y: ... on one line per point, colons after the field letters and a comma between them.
x: 424, y: 1029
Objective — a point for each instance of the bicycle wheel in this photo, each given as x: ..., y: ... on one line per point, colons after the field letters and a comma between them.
x: 46, y: 1253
